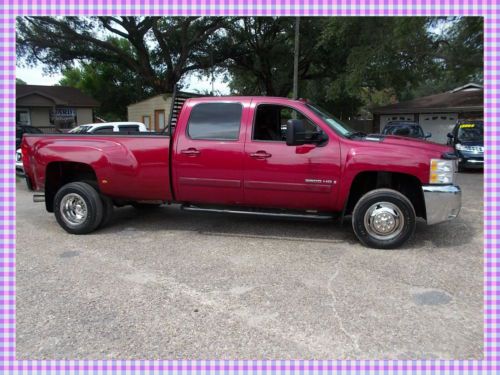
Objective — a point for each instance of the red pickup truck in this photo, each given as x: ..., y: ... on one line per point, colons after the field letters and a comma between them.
x: 253, y: 155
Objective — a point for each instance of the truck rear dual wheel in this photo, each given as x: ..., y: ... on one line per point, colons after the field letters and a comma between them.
x: 79, y: 209
x: 383, y: 219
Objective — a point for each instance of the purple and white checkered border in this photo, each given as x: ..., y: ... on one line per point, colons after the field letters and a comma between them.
x: 490, y: 9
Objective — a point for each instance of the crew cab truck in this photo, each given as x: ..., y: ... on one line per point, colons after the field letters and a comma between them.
x: 255, y: 155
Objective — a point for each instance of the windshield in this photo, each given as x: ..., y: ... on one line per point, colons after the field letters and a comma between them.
x: 334, y: 123
x: 413, y: 131
x: 473, y: 132
x: 80, y: 129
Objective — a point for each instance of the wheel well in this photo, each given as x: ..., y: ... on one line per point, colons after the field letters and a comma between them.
x: 406, y: 184
x: 58, y: 174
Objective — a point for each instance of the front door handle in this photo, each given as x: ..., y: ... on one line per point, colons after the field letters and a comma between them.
x: 192, y: 152
x: 260, y: 155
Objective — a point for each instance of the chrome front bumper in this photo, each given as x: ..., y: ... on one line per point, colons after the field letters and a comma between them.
x: 442, y: 202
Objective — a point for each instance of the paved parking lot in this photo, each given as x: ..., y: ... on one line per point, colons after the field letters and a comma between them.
x: 172, y: 284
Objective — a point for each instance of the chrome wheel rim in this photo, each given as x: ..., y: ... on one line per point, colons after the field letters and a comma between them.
x: 73, y: 209
x: 384, y: 220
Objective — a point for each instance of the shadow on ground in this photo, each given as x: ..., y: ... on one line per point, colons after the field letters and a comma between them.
x: 448, y: 234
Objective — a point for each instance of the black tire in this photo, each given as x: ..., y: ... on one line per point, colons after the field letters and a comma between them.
x: 76, y: 191
x: 107, y: 211
x: 461, y: 168
x: 396, y: 213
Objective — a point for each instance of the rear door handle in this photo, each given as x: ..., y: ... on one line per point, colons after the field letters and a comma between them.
x: 260, y: 155
x: 190, y: 152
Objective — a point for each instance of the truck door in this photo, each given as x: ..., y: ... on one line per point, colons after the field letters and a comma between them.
x: 208, y: 154
x: 294, y: 177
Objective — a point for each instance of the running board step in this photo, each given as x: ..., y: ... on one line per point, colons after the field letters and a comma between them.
x: 260, y: 212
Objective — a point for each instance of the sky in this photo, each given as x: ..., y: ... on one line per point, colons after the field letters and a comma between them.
x: 36, y: 76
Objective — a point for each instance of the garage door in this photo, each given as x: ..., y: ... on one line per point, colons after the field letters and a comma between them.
x: 384, y: 119
x: 439, y: 124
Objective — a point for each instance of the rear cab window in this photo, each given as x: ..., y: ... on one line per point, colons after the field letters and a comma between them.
x: 128, y: 128
x: 105, y: 129
x: 215, y: 121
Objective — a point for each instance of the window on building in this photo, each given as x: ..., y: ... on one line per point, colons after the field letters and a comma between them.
x: 23, y: 117
x: 215, y: 121
x: 146, y: 120
x: 159, y: 120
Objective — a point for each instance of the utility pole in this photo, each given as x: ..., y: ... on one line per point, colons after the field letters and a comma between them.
x: 296, y: 60
x: 212, y: 71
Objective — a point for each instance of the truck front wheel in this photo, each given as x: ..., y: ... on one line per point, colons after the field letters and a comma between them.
x: 383, y: 219
x: 78, y: 208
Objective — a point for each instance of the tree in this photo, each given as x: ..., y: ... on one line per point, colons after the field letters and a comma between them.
x: 459, y: 45
x: 343, y: 60
x: 19, y: 81
x: 113, y: 87
x: 349, y: 64
x: 365, y: 57
x: 261, y: 58
x: 346, y: 64
x: 159, y: 50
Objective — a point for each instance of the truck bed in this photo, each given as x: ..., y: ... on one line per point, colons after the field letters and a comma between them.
x: 125, y: 166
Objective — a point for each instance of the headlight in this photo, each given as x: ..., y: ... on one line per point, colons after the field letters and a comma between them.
x: 459, y: 147
x: 441, y: 171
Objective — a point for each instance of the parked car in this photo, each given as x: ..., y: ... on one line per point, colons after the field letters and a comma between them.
x: 467, y: 138
x: 405, y: 129
x: 109, y: 127
x: 24, y: 129
x: 226, y: 154
x: 19, y: 163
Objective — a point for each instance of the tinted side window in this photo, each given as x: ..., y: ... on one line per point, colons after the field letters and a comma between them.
x: 215, y: 121
x: 107, y: 129
x: 271, y: 121
x: 128, y: 128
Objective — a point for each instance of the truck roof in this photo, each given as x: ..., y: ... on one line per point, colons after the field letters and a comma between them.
x: 240, y: 98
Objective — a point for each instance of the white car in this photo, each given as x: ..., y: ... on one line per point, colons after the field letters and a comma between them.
x: 19, y: 163
x: 108, y: 127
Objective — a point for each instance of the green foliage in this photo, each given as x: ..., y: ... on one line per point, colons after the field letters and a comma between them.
x: 19, y: 81
x: 346, y: 64
x: 458, y: 56
x: 159, y: 50
x: 260, y: 56
x: 109, y: 84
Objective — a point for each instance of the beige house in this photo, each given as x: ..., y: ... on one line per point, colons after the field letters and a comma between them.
x: 50, y: 107
x: 153, y: 112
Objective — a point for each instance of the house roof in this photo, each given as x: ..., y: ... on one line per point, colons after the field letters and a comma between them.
x: 61, y: 95
x: 468, y: 86
x: 458, y: 100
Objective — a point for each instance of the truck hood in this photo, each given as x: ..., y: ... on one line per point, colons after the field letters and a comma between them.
x: 413, y: 143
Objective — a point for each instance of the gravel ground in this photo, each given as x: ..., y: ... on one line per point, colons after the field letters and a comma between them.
x: 170, y: 284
